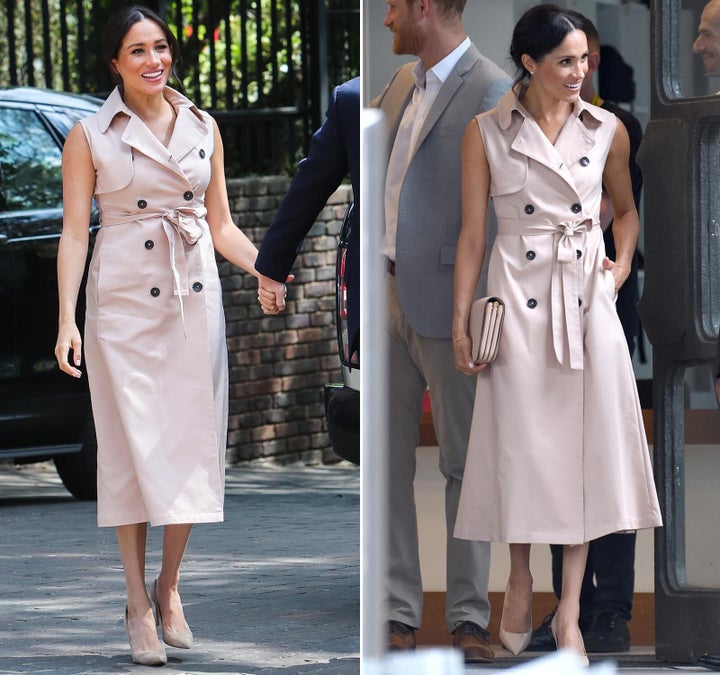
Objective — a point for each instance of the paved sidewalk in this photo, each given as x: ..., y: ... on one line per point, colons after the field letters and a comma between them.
x: 273, y: 589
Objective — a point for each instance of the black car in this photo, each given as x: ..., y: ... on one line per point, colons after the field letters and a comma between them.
x: 342, y: 400
x: 43, y: 413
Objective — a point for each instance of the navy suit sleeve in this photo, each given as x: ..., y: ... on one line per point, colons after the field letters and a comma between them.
x: 318, y: 176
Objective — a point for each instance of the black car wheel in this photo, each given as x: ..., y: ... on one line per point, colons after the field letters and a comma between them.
x: 78, y: 470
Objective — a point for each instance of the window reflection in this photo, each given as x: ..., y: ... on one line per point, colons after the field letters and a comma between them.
x: 699, y: 48
x: 710, y: 231
x: 701, y: 468
x: 30, y: 163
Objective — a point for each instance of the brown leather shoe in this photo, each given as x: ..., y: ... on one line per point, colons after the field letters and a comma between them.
x: 401, y: 637
x: 473, y: 640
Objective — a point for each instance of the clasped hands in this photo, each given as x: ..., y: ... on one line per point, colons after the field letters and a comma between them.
x: 271, y: 294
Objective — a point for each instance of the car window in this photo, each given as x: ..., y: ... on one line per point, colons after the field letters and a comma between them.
x: 63, y: 119
x: 30, y: 163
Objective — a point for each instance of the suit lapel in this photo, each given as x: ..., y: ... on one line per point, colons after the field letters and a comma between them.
x: 396, y: 99
x: 453, y: 82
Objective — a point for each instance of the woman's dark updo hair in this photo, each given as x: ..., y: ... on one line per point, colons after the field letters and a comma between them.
x: 538, y: 32
x: 118, y: 27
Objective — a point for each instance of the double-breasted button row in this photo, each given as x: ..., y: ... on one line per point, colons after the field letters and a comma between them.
x: 576, y: 208
x: 149, y: 244
x: 187, y: 196
x: 201, y: 153
x: 155, y: 291
x: 529, y: 209
x: 532, y: 303
x: 530, y: 255
x: 584, y: 161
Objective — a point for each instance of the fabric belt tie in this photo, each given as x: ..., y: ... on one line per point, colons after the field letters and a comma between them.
x: 566, y: 282
x: 180, y: 226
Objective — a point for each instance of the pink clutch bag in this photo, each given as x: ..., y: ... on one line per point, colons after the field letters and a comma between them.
x: 486, y: 320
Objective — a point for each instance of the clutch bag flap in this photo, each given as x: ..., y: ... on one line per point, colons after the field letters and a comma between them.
x: 486, y: 319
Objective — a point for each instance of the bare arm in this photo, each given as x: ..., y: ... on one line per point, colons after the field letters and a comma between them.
x: 78, y: 187
x: 471, y: 243
x: 229, y: 240
x: 626, y: 226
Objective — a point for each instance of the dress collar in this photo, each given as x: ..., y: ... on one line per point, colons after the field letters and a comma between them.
x: 114, y: 105
x: 510, y: 103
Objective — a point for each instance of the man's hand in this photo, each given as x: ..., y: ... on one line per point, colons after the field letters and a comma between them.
x: 271, y: 294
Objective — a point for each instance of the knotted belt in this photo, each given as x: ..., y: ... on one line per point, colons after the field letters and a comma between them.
x: 566, y: 282
x: 180, y: 225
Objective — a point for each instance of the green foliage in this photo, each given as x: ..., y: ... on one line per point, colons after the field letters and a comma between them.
x: 237, y: 55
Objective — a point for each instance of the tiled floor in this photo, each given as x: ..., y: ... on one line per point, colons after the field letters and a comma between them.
x: 445, y: 661
x: 640, y: 660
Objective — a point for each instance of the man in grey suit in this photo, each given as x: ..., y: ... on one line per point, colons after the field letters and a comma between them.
x: 427, y: 105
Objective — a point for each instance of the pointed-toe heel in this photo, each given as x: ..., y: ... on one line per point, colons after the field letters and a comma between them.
x: 145, y: 657
x: 182, y: 639
x: 515, y: 643
x: 583, y: 657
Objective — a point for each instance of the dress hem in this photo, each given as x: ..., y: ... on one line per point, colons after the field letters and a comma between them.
x: 473, y: 534
x: 173, y: 519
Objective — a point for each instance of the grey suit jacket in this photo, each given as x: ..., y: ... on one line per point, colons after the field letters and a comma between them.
x: 430, y: 209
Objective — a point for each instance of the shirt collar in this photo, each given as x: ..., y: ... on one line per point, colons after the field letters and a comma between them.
x: 114, y: 105
x: 442, y: 68
x: 510, y: 102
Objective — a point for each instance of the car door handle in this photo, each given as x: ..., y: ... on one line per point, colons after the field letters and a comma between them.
x: 3, y: 239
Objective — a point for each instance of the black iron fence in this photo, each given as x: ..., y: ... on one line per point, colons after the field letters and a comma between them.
x: 264, y: 68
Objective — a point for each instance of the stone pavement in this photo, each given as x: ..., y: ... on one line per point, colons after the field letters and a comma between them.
x: 272, y: 590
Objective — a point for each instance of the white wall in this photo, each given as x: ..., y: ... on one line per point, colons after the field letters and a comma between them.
x: 488, y: 23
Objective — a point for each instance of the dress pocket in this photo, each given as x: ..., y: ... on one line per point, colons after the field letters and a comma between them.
x: 610, y: 284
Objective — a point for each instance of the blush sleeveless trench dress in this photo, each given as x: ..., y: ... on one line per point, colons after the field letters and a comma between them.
x: 557, y: 451
x: 155, y: 329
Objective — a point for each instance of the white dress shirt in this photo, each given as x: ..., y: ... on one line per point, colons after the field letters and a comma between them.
x: 427, y: 86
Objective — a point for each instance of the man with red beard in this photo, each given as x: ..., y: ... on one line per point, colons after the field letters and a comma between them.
x: 427, y: 105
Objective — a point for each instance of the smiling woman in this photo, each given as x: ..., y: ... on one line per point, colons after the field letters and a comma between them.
x: 562, y: 391
x: 154, y: 330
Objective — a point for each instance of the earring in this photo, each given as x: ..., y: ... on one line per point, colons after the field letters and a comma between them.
x: 531, y: 72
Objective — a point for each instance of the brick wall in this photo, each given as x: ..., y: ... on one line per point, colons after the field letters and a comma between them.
x: 279, y: 364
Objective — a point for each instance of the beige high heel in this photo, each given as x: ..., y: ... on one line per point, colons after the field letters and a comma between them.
x: 515, y: 643
x: 182, y: 639
x: 583, y: 657
x: 145, y: 657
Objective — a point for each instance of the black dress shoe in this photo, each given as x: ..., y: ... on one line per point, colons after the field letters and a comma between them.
x: 608, y: 632
x: 542, y: 638
x: 710, y: 661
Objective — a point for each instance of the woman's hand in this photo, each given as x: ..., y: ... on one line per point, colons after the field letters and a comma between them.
x: 619, y: 272
x: 463, y: 358
x: 69, y: 338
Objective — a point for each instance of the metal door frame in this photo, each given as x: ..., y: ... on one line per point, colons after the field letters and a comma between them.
x: 687, y: 619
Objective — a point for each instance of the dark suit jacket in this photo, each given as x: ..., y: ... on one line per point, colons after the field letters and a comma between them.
x: 334, y: 152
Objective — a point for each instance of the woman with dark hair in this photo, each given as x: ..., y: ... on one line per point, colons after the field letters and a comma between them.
x: 557, y: 451
x: 154, y: 329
